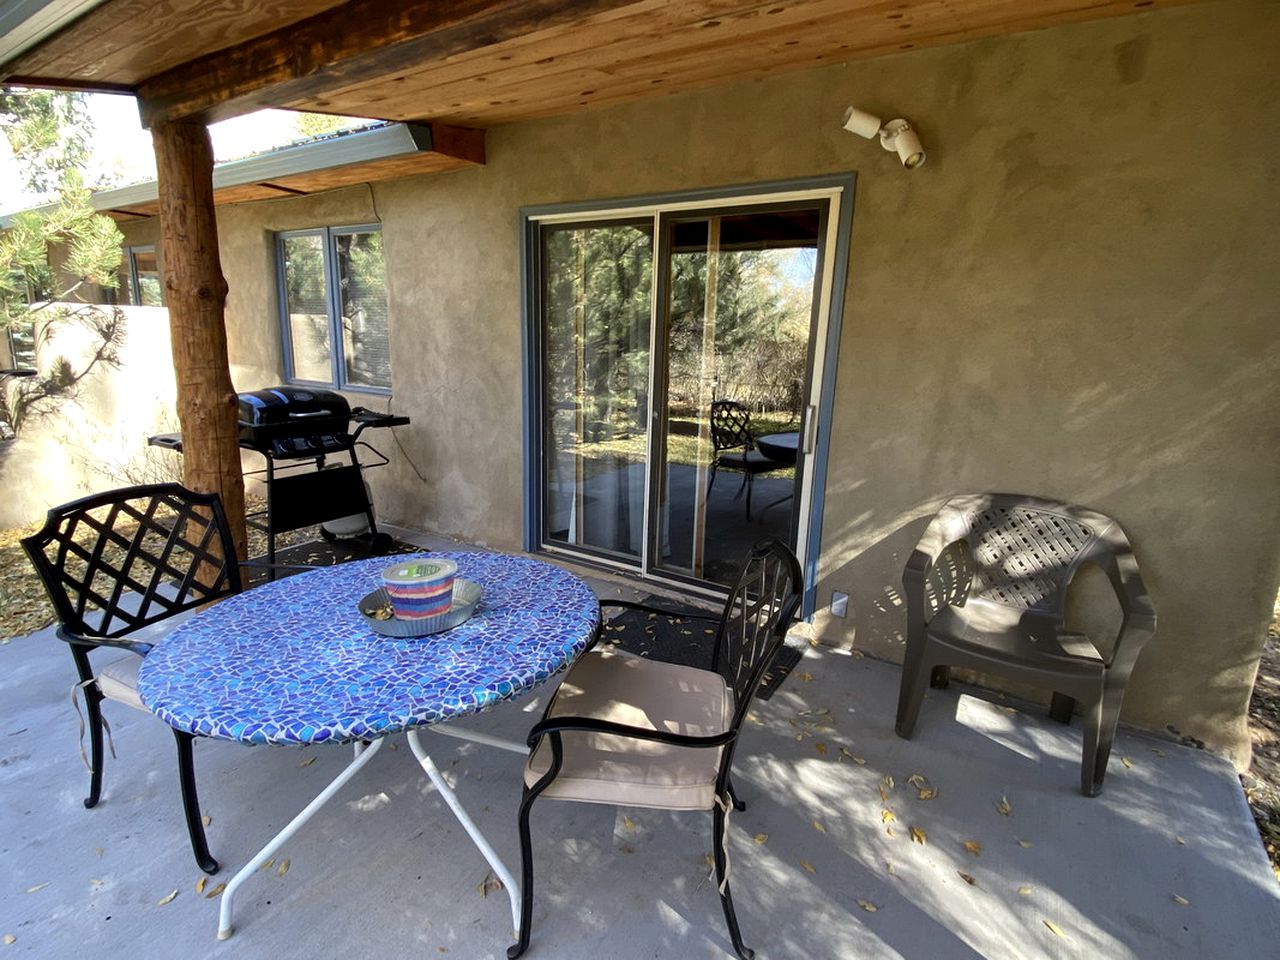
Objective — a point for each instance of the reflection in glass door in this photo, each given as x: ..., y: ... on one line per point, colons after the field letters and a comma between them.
x: 740, y: 293
x: 596, y: 308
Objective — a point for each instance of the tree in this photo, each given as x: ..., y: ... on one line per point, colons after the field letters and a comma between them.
x: 49, y: 134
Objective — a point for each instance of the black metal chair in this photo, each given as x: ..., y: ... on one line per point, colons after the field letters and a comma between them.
x: 735, y: 447
x: 986, y: 589
x: 115, y: 563
x: 629, y: 731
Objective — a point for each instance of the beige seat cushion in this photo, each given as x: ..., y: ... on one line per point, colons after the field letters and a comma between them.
x: 606, y: 768
x: 118, y: 680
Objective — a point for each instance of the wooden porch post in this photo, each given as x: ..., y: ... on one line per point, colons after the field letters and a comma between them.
x: 196, y: 294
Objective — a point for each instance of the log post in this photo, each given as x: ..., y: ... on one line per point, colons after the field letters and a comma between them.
x: 196, y: 296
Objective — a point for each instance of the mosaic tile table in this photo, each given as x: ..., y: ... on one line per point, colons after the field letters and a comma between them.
x: 292, y: 662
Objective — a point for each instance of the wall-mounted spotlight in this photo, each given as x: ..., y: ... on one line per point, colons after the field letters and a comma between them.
x: 896, y: 136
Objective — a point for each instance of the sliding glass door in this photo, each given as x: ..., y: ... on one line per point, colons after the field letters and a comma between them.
x: 674, y: 350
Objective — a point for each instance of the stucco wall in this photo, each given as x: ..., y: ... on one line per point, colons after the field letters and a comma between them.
x: 1075, y: 297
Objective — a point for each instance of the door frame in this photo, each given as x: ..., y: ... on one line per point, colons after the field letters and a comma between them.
x: 838, y: 190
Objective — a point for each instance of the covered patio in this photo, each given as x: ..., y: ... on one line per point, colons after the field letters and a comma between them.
x: 1165, y: 863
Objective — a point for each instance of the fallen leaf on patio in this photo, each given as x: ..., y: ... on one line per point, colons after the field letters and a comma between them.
x: 711, y: 861
x: 490, y: 882
x: 268, y: 865
x: 889, y: 831
x: 200, y: 884
x: 307, y: 762
x: 1181, y: 841
x: 888, y: 781
x: 1126, y: 761
x: 216, y: 891
x: 761, y: 838
x: 808, y: 866
x: 918, y: 781
x: 1026, y: 891
x: 928, y: 793
x: 1054, y: 928
x: 99, y: 851
x: 37, y: 888
x: 1158, y: 752
x: 884, y: 794
x: 206, y: 820
x: 821, y: 748
x: 819, y: 827
x: 807, y: 677
x: 919, y: 836
x: 708, y: 631
x: 967, y: 878
x: 974, y: 847
x: 799, y: 737
x: 1003, y: 807
x: 889, y: 867
x: 392, y: 746
x: 887, y: 816
x: 754, y: 718
x: 868, y: 906
x: 844, y: 752
x: 95, y: 882
x: 1181, y: 901
x: 1025, y: 844
x: 168, y: 898
x: 628, y: 824
x: 283, y: 868
x: 10, y: 939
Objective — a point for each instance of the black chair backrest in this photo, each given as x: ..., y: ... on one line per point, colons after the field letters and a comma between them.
x: 115, y: 562
x: 756, y: 618
x: 730, y: 425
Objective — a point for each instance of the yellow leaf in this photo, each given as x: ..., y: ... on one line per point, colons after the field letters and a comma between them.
x: 919, y: 836
x: 206, y: 820
x: 884, y: 794
x: 37, y: 888
x: 799, y: 737
x: 887, y: 816
x: 761, y: 838
x: 268, y: 865
x: 283, y: 868
x: 928, y: 793
x: 888, y: 781
x: 95, y: 882
x: 1003, y: 807
x: 1054, y: 928
x: 200, y: 884
x: 10, y: 939
x: 819, y: 827
x: 1126, y: 761
x: 808, y: 866
x: 308, y: 762
x: 967, y: 878
x: 917, y: 781
x: 1026, y: 891
x: 1181, y: 901
x: 806, y: 677
x: 216, y: 891
x: 821, y: 748
x: 628, y: 824
x: 844, y: 752
x: 1025, y: 844
x: 974, y: 847
x: 868, y: 906
x: 168, y: 898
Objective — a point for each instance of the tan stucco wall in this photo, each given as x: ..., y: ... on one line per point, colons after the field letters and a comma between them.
x: 1075, y: 297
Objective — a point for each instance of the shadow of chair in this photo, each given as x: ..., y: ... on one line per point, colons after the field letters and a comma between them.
x: 115, y: 564
x: 986, y: 589
x: 735, y: 447
x: 629, y: 731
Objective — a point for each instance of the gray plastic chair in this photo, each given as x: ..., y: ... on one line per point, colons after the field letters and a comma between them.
x: 985, y: 589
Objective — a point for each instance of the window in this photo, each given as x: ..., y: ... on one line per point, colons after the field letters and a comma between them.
x: 22, y: 345
x: 333, y: 307
x: 140, y: 278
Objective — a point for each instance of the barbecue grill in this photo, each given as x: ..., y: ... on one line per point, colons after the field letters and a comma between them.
x: 297, y: 430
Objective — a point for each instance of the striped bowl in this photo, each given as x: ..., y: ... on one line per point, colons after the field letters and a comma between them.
x: 420, y: 588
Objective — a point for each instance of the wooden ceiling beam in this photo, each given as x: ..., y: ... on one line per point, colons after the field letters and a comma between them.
x: 70, y: 86
x: 357, y: 41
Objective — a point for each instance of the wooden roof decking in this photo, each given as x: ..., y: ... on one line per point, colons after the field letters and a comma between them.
x: 488, y: 62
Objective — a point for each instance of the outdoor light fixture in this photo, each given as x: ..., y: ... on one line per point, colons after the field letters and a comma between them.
x: 896, y: 136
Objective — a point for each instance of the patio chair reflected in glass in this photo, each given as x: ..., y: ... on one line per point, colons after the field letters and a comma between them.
x: 629, y: 731
x: 735, y: 447
x: 986, y: 589
x: 115, y: 564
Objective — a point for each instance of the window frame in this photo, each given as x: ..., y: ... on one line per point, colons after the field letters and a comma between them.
x: 131, y: 252
x: 337, y: 356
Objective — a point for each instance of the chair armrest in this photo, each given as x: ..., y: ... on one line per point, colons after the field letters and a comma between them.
x: 1139, y: 623
x: 556, y: 725
x: 263, y: 565
x: 645, y: 608
x: 92, y: 640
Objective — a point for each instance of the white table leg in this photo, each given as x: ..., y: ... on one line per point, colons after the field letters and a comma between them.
x: 362, y: 757
x: 500, y: 868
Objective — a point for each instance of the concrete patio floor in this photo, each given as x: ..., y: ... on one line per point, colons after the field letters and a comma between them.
x: 386, y: 871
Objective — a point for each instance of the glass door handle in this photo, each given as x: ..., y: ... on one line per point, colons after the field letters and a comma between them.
x: 810, y: 427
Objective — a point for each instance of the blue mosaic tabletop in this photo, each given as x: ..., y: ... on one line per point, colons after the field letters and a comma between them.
x: 293, y: 662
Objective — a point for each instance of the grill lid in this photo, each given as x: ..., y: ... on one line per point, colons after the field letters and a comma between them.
x: 300, y: 407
